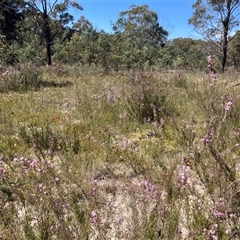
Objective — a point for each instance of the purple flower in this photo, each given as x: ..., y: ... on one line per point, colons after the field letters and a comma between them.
x: 228, y: 105
x: 213, y: 72
x: 209, y: 59
x: 104, y: 220
x: 34, y: 163
x: 53, y: 227
x: 57, y: 180
x: 6, y: 206
x: 94, y: 217
x: 219, y: 214
x: 208, y: 137
x: 154, y: 124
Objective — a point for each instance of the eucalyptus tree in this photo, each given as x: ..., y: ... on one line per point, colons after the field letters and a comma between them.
x: 82, y: 26
x: 141, y: 24
x: 215, y: 21
x: 44, y: 12
x: 142, y: 32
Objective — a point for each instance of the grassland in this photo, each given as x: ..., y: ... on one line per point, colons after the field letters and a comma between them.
x: 128, y: 155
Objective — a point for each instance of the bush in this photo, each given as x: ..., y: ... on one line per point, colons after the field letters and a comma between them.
x: 21, y: 79
x: 147, y: 99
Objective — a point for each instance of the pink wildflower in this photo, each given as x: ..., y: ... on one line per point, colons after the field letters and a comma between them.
x: 228, y: 105
x: 213, y: 72
x: 94, y: 217
x: 57, y: 180
x: 104, y: 220
x: 183, y: 173
x: 6, y: 206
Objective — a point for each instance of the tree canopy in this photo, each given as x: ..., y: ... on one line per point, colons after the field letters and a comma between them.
x: 38, y: 31
x: 141, y: 24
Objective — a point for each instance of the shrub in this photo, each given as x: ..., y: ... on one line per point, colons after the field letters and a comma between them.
x: 148, y: 99
x: 21, y: 79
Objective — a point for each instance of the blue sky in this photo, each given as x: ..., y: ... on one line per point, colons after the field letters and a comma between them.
x: 173, y: 14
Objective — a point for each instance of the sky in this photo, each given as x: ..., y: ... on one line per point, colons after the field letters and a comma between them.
x: 173, y: 14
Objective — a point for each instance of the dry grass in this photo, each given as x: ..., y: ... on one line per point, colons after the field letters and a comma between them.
x: 85, y: 156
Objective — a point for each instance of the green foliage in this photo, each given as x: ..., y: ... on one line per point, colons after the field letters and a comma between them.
x: 82, y: 26
x: 10, y: 17
x: 215, y: 21
x: 189, y: 54
x: 30, y: 50
x: 68, y: 53
x: 48, y: 17
x: 142, y: 35
x: 141, y: 25
x: 233, y: 51
x: 39, y: 138
x: 60, y: 11
x: 8, y: 54
x: 148, y: 100
x: 139, y: 42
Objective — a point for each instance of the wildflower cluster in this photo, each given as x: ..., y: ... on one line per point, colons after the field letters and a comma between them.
x: 94, y: 217
x: 183, y: 173
x: 213, y: 72
x: 212, y: 232
x: 228, y: 105
x: 208, y: 137
x: 220, y: 210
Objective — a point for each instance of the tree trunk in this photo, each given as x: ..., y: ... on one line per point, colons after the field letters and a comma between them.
x: 47, y: 36
x: 225, y: 23
x: 224, y: 52
x: 48, y: 47
x: 224, y: 58
x: 224, y: 47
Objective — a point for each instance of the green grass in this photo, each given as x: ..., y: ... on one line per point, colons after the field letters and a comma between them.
x: 85, y: 156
